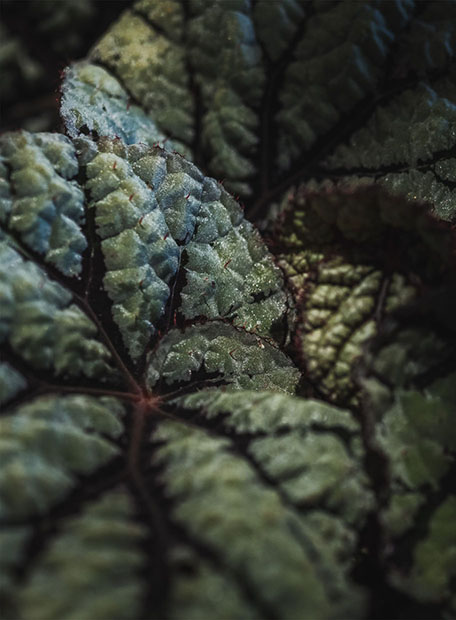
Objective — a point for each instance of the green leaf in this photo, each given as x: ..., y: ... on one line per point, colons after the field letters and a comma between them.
x: 261, y: 93
x: 434, y: 24
x: 158, y: 462
x: 47, y: 443
x: 243, y: 360
x: 41, y: 325
x: 93, y: 99
x: 305, y: 455
x: 101, y: 546
x: 41, y: 200
x: 434, y: 564
x: 290, y: 466
x: 93, y: 401
x: 155, y: 214
x: 409, y: 394
x: 420, y: 163
x: 354, y: 257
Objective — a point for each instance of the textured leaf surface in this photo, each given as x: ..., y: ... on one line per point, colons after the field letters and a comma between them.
x: 41, y: 325
x: 158, y: 463
x: 94, y: 101
x: 157, y: 216
x: 177, y: 292
x: 409, y: 387
x: 293, y: 479
x: 262, y: 92
x: 217, y: 350
x: 40, y: 200
x: 354, y: 257
x: 306, y: 436
x: 101, y: 546
x: 408, y: 147
x: 45, y: 444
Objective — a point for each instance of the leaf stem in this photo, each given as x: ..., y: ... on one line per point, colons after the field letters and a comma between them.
x: 140, y: 413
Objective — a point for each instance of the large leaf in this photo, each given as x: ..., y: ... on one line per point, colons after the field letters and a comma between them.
x: 130, y: 280
x: 259, y: 94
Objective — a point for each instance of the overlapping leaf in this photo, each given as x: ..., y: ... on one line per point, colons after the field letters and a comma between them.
x: 261, y: 92
x: 409, y: 393
x: 286, y: 456
x: 354, y: 257
x: 419, y: 164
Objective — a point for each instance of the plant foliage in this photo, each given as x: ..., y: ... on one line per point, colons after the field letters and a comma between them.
x: 200, y: 421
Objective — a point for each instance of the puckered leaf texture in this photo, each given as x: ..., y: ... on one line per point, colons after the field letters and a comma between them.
x: 355, y: 257
x: 197, y: 425
x: 409, y: 390
x: 159, y: 288
x: 258, y: 93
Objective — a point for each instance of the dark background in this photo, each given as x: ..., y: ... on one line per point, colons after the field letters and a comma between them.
x: 38, y: 39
